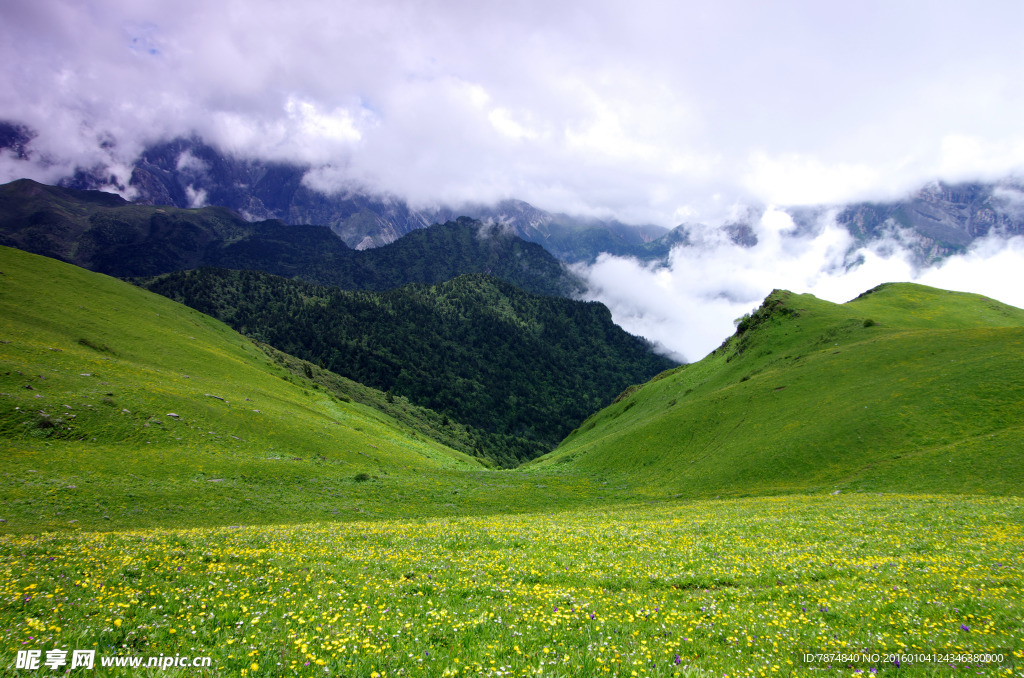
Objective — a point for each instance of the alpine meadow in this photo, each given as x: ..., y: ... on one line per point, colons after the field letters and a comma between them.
x: 575, y: 339
x: 835, y: 490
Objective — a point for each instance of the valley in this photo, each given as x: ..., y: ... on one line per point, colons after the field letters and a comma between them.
x: 835, y: 478
x: 511, y: 339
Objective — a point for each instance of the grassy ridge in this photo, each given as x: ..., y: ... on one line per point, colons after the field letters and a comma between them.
x: 907, y: 388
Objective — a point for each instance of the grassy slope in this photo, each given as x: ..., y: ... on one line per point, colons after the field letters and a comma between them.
x: 930, y: 398
x: 107, y: 362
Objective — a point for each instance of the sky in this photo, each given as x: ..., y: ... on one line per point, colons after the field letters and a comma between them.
x: 644, y: 111
x: 650, y: 112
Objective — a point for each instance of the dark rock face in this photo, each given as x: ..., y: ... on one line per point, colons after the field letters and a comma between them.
x: 946, y: 218
x: 15, y: 138
x: 189, y: 173
x: 742, y: 234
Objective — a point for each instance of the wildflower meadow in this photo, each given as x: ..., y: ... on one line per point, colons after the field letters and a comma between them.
x: 746, y: 587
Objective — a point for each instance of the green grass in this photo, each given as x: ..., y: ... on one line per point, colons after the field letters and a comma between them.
x: 743, y: 587
x: 91, y: 370
x: 322, y: 536
x: 930, y: 398
x: 91, y: 446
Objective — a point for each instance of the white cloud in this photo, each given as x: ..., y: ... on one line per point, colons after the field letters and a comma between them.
x: 687, y: 305
x: 641, y: 110
x: 504, y: 121
x: 963, y: 156
x: 196, y: 197
x: 799, y: 179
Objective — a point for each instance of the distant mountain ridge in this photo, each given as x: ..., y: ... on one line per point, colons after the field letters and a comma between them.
x: 104, y: 233
x: 941, y: 219
x: 944, y: 218
x: 190, y: 173
x: 934, y: 222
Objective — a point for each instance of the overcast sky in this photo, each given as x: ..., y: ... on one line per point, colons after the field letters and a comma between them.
x: 656, y: 112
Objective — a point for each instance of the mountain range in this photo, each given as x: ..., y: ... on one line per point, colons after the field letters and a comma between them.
x: 937, y: 220
x: 190, y: 173
x: 464, y: 318
x: 103, y: 232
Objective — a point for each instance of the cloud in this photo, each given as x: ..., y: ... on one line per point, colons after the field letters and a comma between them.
x: 687, y: 304
x: 642, y: 111
x: 797, y: 179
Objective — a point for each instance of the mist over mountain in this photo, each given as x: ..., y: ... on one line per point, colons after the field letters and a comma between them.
x: 102, y: 232
x: 188, y: 173
x: 943, y: 219
x: 936, y: 221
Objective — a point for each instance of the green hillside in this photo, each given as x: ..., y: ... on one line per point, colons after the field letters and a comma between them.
x: 120, y: 407
x: 521, y: 369
x: 906, y: 388
x: 281, y: 524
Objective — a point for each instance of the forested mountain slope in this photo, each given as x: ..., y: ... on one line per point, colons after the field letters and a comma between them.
x: 523, y: 369
x: 102, y: 232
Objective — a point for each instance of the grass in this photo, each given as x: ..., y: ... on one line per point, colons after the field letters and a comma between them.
x: 282, y: 530
x: 743, y: 587
x: 254, y: 440
x: 120, y: 408
x: 928, y: 399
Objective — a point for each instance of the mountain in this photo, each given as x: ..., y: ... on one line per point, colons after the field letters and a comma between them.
x: 943, y: 219
x: 521, y: 369
x: 906, y: 388
x: 15, y: 138
x: 934, y: 222
x: 102, y: 232
x: 188, y: 173
x: 571, y: 239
